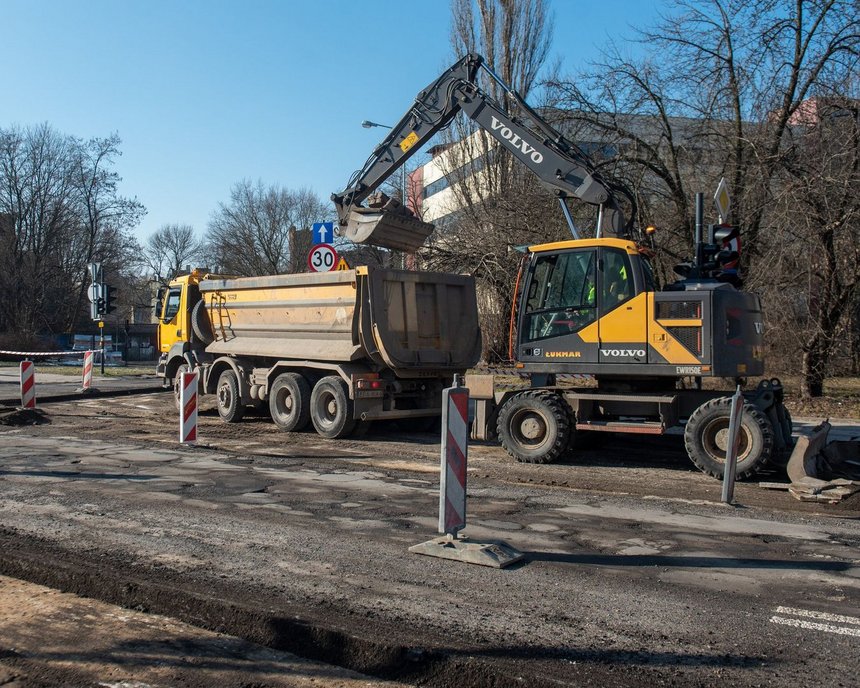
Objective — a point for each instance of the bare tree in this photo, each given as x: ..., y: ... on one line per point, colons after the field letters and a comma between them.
x: 717, y: 96
x: 494, y: 209
x: 250, y: 235
x: 61, y: 206
x: 169, y: 249
x: 814, y: 251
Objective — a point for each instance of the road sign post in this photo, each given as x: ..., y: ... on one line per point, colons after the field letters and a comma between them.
x: 102, y: 343
x: 322, y: 258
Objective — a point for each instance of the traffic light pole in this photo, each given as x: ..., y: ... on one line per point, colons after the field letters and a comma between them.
x: 102, y: 343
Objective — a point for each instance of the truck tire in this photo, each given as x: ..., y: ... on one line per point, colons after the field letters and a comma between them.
x: 230, y: 406
x: 177, y: 383
x: 200, y: 324
x: 534, y: 426
x: 331, y: 408
x: 706, y: 438
x: 289, y: 402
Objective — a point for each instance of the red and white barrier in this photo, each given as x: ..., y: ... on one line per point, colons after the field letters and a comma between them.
x: 87, y: 382
x: 188, y: 408
x: 28, y: 384
x: 455, y: 449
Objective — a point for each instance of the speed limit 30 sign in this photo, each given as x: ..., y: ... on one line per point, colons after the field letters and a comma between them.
x: 322, y: 258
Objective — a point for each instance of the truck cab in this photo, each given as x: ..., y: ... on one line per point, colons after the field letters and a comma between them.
x: 173, y: 307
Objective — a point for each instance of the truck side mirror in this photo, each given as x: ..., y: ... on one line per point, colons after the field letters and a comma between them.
x: 159, y: 302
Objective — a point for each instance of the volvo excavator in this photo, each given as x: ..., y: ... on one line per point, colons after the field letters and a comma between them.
x: 591, y: 306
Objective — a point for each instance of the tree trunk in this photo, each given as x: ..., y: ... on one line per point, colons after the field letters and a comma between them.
x: 812, y: 373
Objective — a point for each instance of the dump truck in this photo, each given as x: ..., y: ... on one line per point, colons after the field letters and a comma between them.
x: 591, y: 306
x: 336, y: 349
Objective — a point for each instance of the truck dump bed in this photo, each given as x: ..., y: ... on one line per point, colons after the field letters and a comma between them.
x: 410, y: 322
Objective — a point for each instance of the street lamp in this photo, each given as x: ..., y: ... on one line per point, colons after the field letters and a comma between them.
x: 404, y: 197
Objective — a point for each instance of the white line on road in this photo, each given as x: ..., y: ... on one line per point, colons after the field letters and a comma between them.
x: 800, y: 623
x: 821, y: 616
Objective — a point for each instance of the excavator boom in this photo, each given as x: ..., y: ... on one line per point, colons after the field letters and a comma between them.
x: 562, y: 167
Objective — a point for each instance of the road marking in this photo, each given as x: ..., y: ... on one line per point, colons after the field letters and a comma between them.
x: 821, y: 616
x: 815, y: 625
x: 811, y: 625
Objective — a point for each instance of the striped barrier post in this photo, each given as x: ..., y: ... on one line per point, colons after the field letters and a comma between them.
x: 455, y: 450
x: 188, y: 408
x: 452, y: 493
x: 87, y: 382
x: 28, y: 384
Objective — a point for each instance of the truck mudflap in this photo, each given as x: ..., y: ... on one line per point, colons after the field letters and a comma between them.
x: 390, y: 226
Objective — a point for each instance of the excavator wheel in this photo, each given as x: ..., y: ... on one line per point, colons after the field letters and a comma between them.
x: 706, y: 438
x: 534, y: 426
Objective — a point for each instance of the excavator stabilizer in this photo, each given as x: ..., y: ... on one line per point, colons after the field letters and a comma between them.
x: 389, y: 225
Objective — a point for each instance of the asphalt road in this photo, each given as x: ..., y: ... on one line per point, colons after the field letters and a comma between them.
x: 634, y: 573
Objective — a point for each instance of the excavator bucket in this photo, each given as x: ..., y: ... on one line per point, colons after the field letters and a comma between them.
x: 390, y: 225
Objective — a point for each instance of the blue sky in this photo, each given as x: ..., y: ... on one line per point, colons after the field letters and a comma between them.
x: 206, y: 93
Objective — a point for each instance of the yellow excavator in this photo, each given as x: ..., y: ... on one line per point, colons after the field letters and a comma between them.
x: 592, y: 306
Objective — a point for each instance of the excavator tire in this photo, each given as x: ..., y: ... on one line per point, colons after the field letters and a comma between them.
x: 200, y: 324
x: 706, y: 438
x: 534, y: 426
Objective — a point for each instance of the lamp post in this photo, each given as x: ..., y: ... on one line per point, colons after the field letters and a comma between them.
x: 404, y: 196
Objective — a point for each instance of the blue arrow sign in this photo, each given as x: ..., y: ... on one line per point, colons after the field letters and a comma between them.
x: 323, y: 232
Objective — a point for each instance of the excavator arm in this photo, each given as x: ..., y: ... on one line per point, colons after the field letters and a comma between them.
x: 560, y: 166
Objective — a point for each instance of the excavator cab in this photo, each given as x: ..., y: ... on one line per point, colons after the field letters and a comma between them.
x: 585, y: 302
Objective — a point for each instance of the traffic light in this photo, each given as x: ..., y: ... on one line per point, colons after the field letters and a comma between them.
x: 109, y: 294
x: 100, y: 307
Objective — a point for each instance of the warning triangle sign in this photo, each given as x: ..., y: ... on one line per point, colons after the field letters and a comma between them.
x: 342, y: 264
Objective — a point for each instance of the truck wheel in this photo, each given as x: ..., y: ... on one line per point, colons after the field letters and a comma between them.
x: 289, y: 402
x: 331, y: 408
x: 227, y: 393
x: 706, y: 438
x: 177, y: 384
x: 534, y: 426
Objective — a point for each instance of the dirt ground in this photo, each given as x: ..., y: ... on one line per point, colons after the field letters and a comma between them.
x: 635, y: 575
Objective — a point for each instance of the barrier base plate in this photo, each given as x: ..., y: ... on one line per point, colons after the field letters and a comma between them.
x: 495, y: 553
